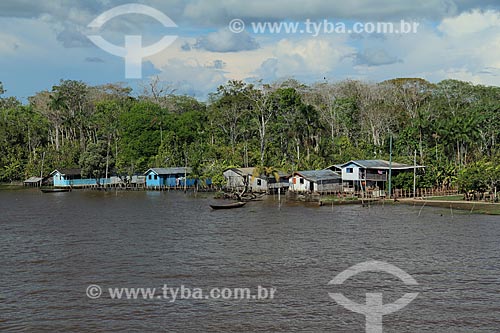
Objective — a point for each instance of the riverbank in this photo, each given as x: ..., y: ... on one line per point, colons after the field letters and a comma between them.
x: 471, y: 206
x: 451, y: 202
x: 11, y: 186
x: 348, y: 201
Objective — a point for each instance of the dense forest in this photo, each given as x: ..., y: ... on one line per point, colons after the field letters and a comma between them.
x: 453, y: 126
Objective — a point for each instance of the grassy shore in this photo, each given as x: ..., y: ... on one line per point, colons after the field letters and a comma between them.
x: 9, y: 186
x: 480, y: 207
x: 453, y: 201
x: 458, y: 197
x: 334, y: 200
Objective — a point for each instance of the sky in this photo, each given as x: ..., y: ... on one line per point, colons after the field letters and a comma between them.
x: 42, y: 42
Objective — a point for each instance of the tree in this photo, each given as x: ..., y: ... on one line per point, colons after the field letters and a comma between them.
x: 480, y: 176
x: 289, y: 125
x: 73, y: 97
x: 7, y: 102
x: 157, y: 91
x: 106, y: 119
x: 268, y: 172
x: 94, y: 161
x: 229, y: 108
x: 412, y: 96
x: 139, y: 138
x: 49, y: 106
x: 262, y: 112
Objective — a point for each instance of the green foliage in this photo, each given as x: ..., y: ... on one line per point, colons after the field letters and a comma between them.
x: 403, y: 180
x: 141, y: 134
x: 480, y: 176
x: 213, y: 170
x: 94, y: 161
x: 283, y: 126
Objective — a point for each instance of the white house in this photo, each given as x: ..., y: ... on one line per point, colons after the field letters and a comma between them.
x: 358, y: 174
x: 320, y: 181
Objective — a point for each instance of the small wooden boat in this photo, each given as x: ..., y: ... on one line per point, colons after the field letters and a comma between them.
x: 55, y: 190
x: 229, y: 206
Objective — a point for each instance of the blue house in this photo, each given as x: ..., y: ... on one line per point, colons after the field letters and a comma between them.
x: 169, y: 177
x: 73, y: 177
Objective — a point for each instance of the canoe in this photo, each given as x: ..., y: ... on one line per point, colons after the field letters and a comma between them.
x: 55, y: 190
x: 229, y: 206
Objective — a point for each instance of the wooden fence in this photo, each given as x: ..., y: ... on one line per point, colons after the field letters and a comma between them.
x: 424, y: 192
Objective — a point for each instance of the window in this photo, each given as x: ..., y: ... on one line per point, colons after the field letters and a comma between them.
x: 259, y: 182
x: 302, y: 180
x: 156, y: 177
x: 349, y: 170
x: 149, y: 177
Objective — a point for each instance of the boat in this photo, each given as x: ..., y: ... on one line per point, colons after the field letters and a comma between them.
x: 55, y: 190
x: 229, y: 206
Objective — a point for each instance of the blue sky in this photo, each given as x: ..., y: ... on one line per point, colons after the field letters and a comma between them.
x: 45, y: 41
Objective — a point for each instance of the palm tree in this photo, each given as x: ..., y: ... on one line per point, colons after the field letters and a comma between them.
x: 267, y: 172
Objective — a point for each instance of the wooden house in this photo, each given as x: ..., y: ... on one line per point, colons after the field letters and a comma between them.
x: 136, y: 180
x: 279, y: 183
x: 368, y: 174
x: 315, y: 181
x: 33, y: 182
x: 238, y: 178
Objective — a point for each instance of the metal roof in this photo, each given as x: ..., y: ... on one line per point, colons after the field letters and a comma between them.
x: 250, y: 171
x: 169, y: 171
x: 334, y: 166
x: 379, y: 164
x: 241, y: 171
x: 318, y: 175
x: 33, y: 179
x: 244, y: 171
x: 68, y: 172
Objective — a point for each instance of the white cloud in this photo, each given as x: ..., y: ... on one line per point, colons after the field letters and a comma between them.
x: 454, y: 50
x: 31, y: 39
x: 224, y: 40
x: 302, y: 58
x: 430, y: 54
x: 222, y: 11
x: 9, y: 44
x: 470, y: 22
x: 375, y: 57
x: 192, y: 78
x: 464, y: 46
x: 313, y: 57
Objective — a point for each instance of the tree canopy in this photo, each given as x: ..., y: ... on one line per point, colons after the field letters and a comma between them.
x: 453, y: 125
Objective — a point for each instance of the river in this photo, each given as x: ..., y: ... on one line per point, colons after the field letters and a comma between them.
x: 54, y: 246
